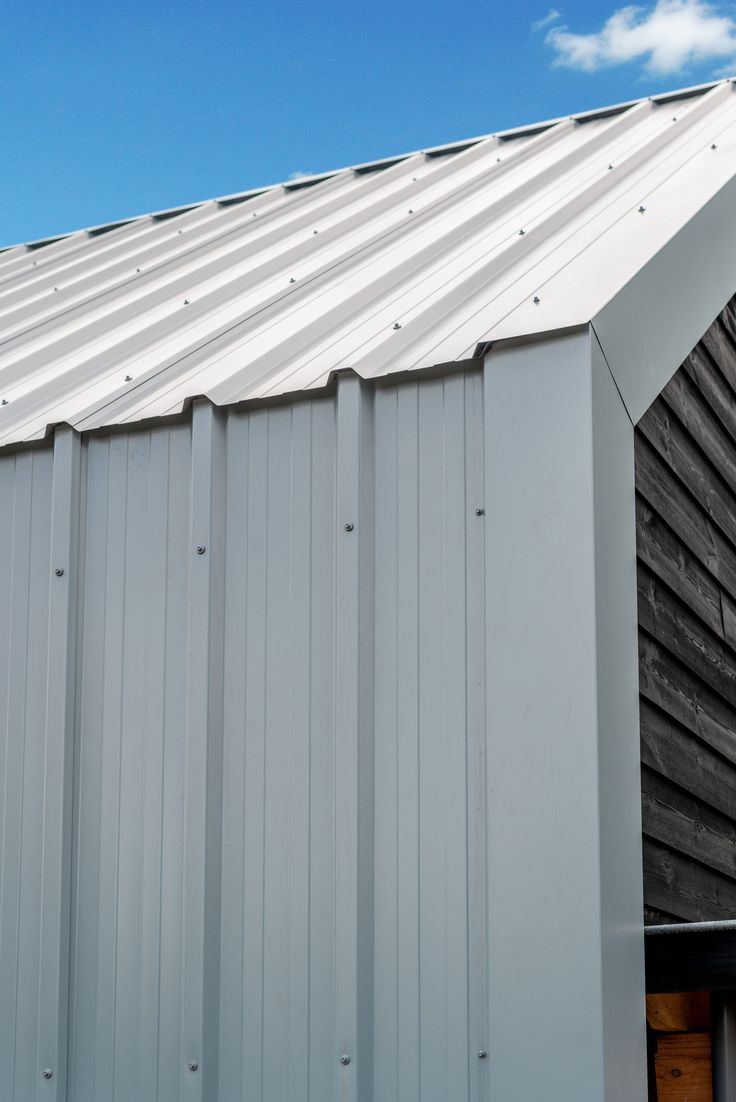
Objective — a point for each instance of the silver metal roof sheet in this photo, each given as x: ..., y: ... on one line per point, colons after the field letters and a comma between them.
x: 380, y: 268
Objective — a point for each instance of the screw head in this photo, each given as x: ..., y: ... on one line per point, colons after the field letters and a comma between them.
x: 676, y: 1073
x: 4, y: 402
x: 348, y: 527
x: 345, y: 1059
x: 642, y: 209
x: 480, y: 512
x: 521, y: 233
x: 714, y: 146
x: 536, y: 300
x: 59, y: 571
x: 201, y: 549
x: 397, y: 325
x: 193, y: 1065
x: 47, y: 1073
x: 482, y: 1054
x: 128, y: 379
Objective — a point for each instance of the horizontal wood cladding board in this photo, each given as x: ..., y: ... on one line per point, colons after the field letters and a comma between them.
x: 685, y: 454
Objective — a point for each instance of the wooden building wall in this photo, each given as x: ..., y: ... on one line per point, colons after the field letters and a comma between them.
x: 686, y: 547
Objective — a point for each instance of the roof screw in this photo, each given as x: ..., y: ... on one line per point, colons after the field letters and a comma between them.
x: 178, y: 231
x: 137, y: 269
x: 714, y: 146
x: 348, y: 527
x: 411, y: 212
x: 201, y: 549
x: 642, y: 209
x: 536, y: 300
x: 186, y: 301
x: 292, y: 280
x: 344, y: 1059
x: 4, y: 402
x: 674, y: 118
x: 479, y: 512
x: 315, y: 231
x: 521, y: 233
x: 482, y: 1054
x: 498, y: 160
x: 128, y: 378
x: 610, y: 166
x: 56, y: 288
x: 193, y: 1065
x: 59, y: 574
x: 397, y: 325
x: 47, y: 1073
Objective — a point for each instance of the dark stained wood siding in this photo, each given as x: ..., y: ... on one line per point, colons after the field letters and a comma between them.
x: 686, y: 547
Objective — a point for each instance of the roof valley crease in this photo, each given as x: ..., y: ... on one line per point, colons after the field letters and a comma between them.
x: 398, y: 266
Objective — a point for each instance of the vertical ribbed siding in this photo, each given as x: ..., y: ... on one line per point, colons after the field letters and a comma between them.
x: 428, y: 716
x: 25, y: 577
x: 278, y: 836
x: 278, y: 904
x: 133, y: 776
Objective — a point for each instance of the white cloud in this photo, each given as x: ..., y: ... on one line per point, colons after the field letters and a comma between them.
x: 298, y: 174
x: 667, y: 38
x: 551, y: 17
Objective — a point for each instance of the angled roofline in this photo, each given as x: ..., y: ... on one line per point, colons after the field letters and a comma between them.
x: 374, y: 165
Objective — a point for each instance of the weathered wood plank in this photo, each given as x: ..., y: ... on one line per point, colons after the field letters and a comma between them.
x: 680, y: 822
x: 684, y: 1068
x: 685, y: 400
x: 713, y: 387
x: 653, y: 917
x: 684, y: 888
x: 664, y: 432
x: 685, y: 761
x: 683, y: 634
x: 666, y: 495
x: 673, y: 688
x: 720, y: 342
x: 681, y: 1012
x: 666, y: 556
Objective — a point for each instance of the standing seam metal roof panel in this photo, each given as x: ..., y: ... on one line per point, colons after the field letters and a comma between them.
x: 379, y: 269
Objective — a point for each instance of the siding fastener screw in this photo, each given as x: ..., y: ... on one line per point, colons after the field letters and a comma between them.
x: 397, y: 325
x: 642, y: 209
x: 193, y: 1065
x: 128, y: 378
x: 345, y: 1059
x: 200, y: 549
x: 536, y: 300
x: 59, y: 571
x: 482, y: 1054
x: 292, y: 280
x: 480, y: 512
x: 186, y: 301
x: 610, y: 166
x: 676, y: 1073
x: 348, y: 527
x: 521, y: 233
x: 47, y: 1073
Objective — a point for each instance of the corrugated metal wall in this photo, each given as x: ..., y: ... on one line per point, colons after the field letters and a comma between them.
x: 243, y: 755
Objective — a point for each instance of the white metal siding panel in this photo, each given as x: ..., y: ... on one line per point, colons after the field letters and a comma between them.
x: 134, y: 771
x: 278, y: 901
x: 508, y: 236
x: 429, y: 810
x: 25, y: 556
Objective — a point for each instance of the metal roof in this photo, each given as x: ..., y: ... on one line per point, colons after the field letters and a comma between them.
x: 393, y: 266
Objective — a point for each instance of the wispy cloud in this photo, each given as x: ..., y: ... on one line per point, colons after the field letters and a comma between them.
x: 666, y: 38
x: 551, y: 17
x: 298, y: 174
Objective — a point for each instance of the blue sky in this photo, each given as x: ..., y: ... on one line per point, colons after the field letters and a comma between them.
x: 113, y: 110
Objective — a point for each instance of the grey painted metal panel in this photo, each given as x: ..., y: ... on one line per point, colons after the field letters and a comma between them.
x: 136, y: 779
x: 29, y: 906
x: 314, y: 815
x: 402, y: 268
x: 429, y: 735
x: 564, y: 965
